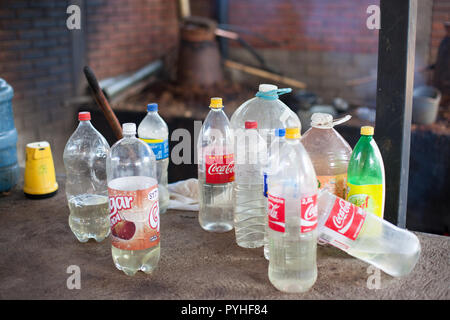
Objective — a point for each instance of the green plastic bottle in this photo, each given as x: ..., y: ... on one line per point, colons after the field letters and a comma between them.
x: 365, y: 175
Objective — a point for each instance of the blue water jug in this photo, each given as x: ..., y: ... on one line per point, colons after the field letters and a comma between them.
x: 9, y: 169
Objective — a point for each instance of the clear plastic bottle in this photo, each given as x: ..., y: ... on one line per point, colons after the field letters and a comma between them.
x: 86, y: 188
x: 215, y: 170
x: 153, y: 130
x: 133, y: 204
x: 270, y: 168
x: 366, y: 236
x: 329, y: 153
x: 266, y: 109
x: 292, y: 215
x: 249, y: 203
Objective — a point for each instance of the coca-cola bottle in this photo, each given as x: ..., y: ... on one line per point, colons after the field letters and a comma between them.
x: 215, y: 170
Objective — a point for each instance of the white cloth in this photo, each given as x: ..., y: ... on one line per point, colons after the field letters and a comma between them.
x: 184, y: 195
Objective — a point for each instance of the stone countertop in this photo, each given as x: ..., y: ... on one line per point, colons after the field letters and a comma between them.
x: 37, y: 246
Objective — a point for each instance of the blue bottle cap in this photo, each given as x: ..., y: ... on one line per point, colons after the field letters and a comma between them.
x: 152, y: 107
x: 280, y: 132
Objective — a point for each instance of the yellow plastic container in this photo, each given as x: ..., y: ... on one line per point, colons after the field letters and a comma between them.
x: 40, y: 179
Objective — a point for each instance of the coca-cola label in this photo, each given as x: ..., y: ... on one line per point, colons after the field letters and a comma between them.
x: 219, y: 168
x: 276, y: 207
x: 308, y: 208
x: 346, y: 219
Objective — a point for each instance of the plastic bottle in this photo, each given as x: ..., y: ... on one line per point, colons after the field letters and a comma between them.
x: 153, y: 130
x: 215, y: 170
x: 329, y: 153
x: 86, y: 187
x: 365, y: 174
x: 267, y: 110
x: 293, y: 218
x: 249, y: 203
x: 366, y: 236
x: 133, y: 204
x: 270, y: 169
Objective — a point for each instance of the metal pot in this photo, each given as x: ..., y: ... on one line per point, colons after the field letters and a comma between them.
x: 426, y: 101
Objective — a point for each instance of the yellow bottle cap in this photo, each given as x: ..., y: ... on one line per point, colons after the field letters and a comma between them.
x: 292, y: 133
x: 367, y: 131
x: 216, y: 103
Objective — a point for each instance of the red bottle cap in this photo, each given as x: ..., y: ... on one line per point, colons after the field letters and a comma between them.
x: 84, y: 116
x: 251, y: 125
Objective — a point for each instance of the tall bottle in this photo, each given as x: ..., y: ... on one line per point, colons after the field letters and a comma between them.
x: 293, y: 218
x: 365, y: 174
x: 153, y: 130
x: 86, y: 188
x: 133, y: 204
x: 270, y: 169
x: 249, y: 203
x: 215, y: 170
x: 329, y: 153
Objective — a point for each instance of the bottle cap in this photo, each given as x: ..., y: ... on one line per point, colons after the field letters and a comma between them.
x: 280, y: 132
x: 292, y: 133
x: 84, y: 116
x: 216, y: 103
x: 152, y: 107
x: 324, y: 120
x: 250, y: 124
x: 367, y: 131
x: 129, y: 128
x: 267, y: 87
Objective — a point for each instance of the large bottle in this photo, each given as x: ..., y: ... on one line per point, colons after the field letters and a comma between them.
x: 293, y: 218
x: 365, y: 175
x: 249, y: 203
x: 267, y: 110
x: 366, y: 236
x: 271, y: 167
x: 133, y: 204
x: 86, y: 188
x: 329, y: 153
x: 215, y: 170
x: 153, y: 130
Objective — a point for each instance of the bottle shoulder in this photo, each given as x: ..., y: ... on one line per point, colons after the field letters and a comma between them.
x: 153, y: 127
x: 85, y: 140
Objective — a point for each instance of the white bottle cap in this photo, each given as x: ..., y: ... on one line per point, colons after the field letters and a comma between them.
x: 129, y: 128
x: 267, y: 87
x: 322, y: 120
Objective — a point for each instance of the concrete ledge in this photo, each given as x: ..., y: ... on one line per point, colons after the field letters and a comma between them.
x: 37, y: 246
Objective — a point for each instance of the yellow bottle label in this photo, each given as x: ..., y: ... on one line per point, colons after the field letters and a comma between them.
x: 334, y: 184
x: 368, y: 197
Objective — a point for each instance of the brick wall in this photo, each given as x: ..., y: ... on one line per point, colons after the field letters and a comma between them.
x: 441, y: 13
x: 37, y: 56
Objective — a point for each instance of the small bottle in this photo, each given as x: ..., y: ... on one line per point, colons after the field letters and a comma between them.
x: 329, y: 153
x: 249, y: 202
x: 270, y: 169
x: 215, y: 170
x: 133, y: 204
x: 86, y: 187
x: 153, y: 130
x: 292, y: 215
x: 365, y: 174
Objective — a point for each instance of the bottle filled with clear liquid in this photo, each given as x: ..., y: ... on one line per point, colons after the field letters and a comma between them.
x: 271, y: 167
x: 329, y: 153
x: 249, y: 202
x: 86, y: 187
x: 153, y: 130
x: 215, y: 170
x: 366, y: 236
x: 292, y: 215
x: 133, y: 204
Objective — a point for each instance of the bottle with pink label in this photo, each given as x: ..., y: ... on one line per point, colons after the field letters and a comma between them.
x: 215, y: 170
x: 133, y: 204
x: 366, y: 236
x: 292, y: 217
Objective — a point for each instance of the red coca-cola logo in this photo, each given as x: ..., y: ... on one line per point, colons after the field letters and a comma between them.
x: 308, y: 213
x: 346, y: 219
x: 219, y: 168
x: 275, y: 212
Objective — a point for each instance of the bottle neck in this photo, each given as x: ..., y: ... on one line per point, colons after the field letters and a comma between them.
x: 366, y: 138
x: 85, y: 123
x: 152, y: 112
